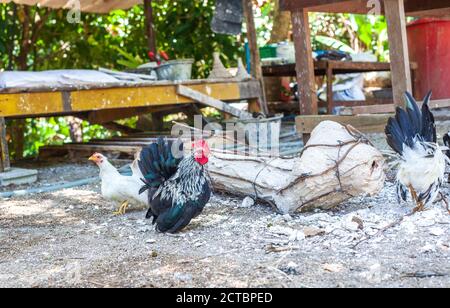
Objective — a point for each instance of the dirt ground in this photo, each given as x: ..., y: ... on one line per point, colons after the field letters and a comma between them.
x: 70, y: 238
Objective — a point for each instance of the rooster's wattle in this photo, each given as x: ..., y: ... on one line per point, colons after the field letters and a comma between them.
x: 178, y: 188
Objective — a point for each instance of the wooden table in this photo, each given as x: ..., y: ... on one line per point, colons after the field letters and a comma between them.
x: 395, y: 12
x: 103, y: 105
x: 330, y: 68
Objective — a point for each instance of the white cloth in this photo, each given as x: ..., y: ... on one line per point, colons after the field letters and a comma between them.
x: 54, y: 79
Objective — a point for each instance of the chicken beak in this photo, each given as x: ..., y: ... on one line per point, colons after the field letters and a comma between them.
x: 92, y: 158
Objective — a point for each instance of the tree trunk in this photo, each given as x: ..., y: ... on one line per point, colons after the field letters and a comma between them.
x: 76, y: 129
x: 281, y: 24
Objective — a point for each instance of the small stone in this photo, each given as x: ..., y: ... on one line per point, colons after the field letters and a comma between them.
x: 297, y: 235
x: 312, y: 232
x: 150, y: 241
x: 428, y: 248
x: 248, y: 202
x: 287, y: 217
x: 437, y: 231
x: 182, y: 277
x: 154, y: 254
x: 333, y: 268
x: 351, y: 226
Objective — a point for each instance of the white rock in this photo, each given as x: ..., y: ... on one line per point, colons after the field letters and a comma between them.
x: 351, y: 226
x: 333, y: 268
x: 297, y: 235
x: 287, y: 217
x: 428, y: 248
x: 436, y: 231
x: 248, y: 202
x: 182, y: 277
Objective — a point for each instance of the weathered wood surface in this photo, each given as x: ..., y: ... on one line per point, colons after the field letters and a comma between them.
x: 256, y: 70
x: 390, y: 108
x: 311, y: 181
x: 4, y: 153
x: 373, y: 123
x: 212, y: 102
x: 320, y: 68
x: 85, y: 6
x: 399, y: 54
x: 416, y: 8
x: 156, y: 95
x: 304, y: 62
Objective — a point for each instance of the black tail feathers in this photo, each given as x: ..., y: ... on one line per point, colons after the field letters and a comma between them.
x: 158, y: 163
x: 411, y: 124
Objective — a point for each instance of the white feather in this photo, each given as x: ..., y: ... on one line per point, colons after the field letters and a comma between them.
x: 422, y: 167
x: 117, y: 187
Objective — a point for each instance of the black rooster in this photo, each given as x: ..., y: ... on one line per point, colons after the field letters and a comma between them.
x: 178, y: 187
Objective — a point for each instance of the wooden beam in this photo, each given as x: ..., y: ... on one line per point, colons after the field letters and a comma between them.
x: 211, y: 102
x: 158, y: 95
x: 149, y: 27
x: 256, y: 69
x: 364, y: 123
x: 4, y: 153
x: 398, y: 46
x: 304, y: 63
x: 390, y: 108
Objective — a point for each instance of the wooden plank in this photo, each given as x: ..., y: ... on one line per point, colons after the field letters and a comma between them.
x: 364, y: 123
x: 416, y: 8
x: 380, y: 109
x: 304, y: 63
x: 255, y: 56
x: 211, y: 102
x: 72, y: 102
x: 4, y: 153
x: 330, y: 104
x: 339, y: 67
x: 398, y: 41
x: 105, y: 116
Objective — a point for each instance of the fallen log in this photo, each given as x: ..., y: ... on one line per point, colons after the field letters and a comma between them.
x: 338, y: 163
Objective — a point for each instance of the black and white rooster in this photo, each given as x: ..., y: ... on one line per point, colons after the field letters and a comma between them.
x: 178, y: 188
x: 447, y: 143
x: 412, y: 134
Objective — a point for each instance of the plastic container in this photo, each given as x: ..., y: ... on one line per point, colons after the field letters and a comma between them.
x: 269, y: 51
x: 175, y: 70
x: 286, y: 51
x: 429, y: 47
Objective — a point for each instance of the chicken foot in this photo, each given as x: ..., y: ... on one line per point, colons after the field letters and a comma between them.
x: 122, y: 209
x: 420, y: 206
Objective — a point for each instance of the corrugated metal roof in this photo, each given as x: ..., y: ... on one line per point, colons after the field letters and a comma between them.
x: 92, y: 6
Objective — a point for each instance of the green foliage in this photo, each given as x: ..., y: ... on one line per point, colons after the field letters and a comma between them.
x: 349, y: 32
x: 116, y: 41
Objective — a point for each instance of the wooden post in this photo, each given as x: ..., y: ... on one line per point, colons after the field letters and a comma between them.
x: 398, y: 46
x: 149, y: 30
x: 256, y: 68
x: 330, y: 87
x: 304, y: 63
x: 4, y: 154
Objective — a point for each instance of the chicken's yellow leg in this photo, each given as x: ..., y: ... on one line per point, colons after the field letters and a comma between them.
x: 122, y: 209
x: 419, y: 205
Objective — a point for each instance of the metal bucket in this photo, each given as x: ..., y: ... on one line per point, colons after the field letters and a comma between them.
x: 175, y: 70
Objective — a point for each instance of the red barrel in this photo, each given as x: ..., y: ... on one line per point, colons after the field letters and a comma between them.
x: 429, y: 47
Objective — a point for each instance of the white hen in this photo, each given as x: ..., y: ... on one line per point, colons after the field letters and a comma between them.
x: 120, y: 188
